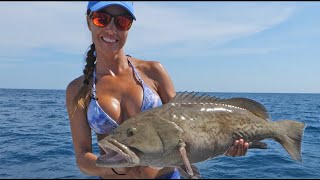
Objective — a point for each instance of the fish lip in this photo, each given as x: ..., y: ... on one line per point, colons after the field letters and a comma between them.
x: 121, y: 149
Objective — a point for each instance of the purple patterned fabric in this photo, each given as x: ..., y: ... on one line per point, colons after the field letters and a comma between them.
x: 101, y: 123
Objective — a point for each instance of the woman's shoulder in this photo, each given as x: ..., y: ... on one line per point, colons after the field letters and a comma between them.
x: 149, y: 67
x: 75, y: 85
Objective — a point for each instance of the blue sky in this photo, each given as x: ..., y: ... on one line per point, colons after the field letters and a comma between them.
x: 205, y: 46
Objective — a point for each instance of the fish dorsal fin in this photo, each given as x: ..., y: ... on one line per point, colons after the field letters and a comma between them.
x: 248, y: 104
x: 192, y: 97
x: 245, y: 103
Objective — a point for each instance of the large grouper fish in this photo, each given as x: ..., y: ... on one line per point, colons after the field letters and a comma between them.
x: 192, y: 128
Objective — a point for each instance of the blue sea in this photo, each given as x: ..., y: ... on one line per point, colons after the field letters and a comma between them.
x: 35, y: 138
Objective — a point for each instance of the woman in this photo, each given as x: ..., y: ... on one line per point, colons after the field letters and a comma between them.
x: 115, y: 87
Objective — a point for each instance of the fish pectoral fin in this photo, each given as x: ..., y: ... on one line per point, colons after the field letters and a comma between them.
x: 185, y: 175
x: 183, y: 172
x: 184, y: 156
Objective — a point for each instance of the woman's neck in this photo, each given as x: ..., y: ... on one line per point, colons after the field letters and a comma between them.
x: 113, y: 64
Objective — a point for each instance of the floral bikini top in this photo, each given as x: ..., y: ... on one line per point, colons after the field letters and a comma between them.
x: 100, y: 122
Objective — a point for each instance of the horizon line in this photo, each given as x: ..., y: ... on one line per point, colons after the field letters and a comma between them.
x: 241, y: 92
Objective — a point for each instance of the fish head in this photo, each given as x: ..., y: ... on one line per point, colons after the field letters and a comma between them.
x: 138, y: 142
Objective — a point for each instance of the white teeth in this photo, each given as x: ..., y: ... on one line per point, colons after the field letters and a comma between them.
x: 109, y: 40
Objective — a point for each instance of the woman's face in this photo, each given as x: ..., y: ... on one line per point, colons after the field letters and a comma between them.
x: 108, y: 39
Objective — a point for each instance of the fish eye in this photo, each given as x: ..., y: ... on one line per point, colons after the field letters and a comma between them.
x: 131, y: 131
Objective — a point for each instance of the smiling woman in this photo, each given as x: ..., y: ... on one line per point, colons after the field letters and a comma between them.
x: 115, y: 87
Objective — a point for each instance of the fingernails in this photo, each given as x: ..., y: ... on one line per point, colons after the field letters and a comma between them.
x: 246, y: 145
x: 236, y: 142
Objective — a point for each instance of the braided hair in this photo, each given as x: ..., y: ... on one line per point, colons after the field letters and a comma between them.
x: 85, y: 92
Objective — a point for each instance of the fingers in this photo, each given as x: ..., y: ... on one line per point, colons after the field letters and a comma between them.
x: 245, y: 148
x: 239, y: 148
x: 233, y: 149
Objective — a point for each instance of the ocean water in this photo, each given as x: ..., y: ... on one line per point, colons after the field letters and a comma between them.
x: 35, y: 138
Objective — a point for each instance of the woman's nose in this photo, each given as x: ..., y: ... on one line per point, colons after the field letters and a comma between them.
x: 111, y: 26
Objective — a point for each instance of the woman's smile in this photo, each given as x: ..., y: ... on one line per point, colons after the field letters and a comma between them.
x: 109, y: 40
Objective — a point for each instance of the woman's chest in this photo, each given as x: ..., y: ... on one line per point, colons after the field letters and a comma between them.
x: 120, y: 98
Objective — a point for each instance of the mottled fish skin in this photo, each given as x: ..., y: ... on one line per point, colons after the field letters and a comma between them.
x: 214, y: 126
x: 207, y: 125
x: 210, y: 128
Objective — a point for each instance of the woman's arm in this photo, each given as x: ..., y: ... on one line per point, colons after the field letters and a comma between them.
x: 81, y: 137
x: 163, y: 82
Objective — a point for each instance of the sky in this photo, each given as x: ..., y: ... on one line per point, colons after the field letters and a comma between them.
x: 262, y: 47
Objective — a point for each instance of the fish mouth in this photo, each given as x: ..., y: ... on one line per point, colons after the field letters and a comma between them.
x: 117, y: 155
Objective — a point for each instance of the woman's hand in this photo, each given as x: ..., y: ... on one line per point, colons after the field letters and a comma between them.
x: 239, y: 148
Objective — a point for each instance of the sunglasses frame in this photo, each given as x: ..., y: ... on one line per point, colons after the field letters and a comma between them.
x: 114, y: 17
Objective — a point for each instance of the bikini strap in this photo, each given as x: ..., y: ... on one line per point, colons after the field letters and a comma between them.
x: 135, y: 72
x: 94, y: 95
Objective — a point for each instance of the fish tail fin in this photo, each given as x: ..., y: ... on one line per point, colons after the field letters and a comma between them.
x: 291, y: 137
